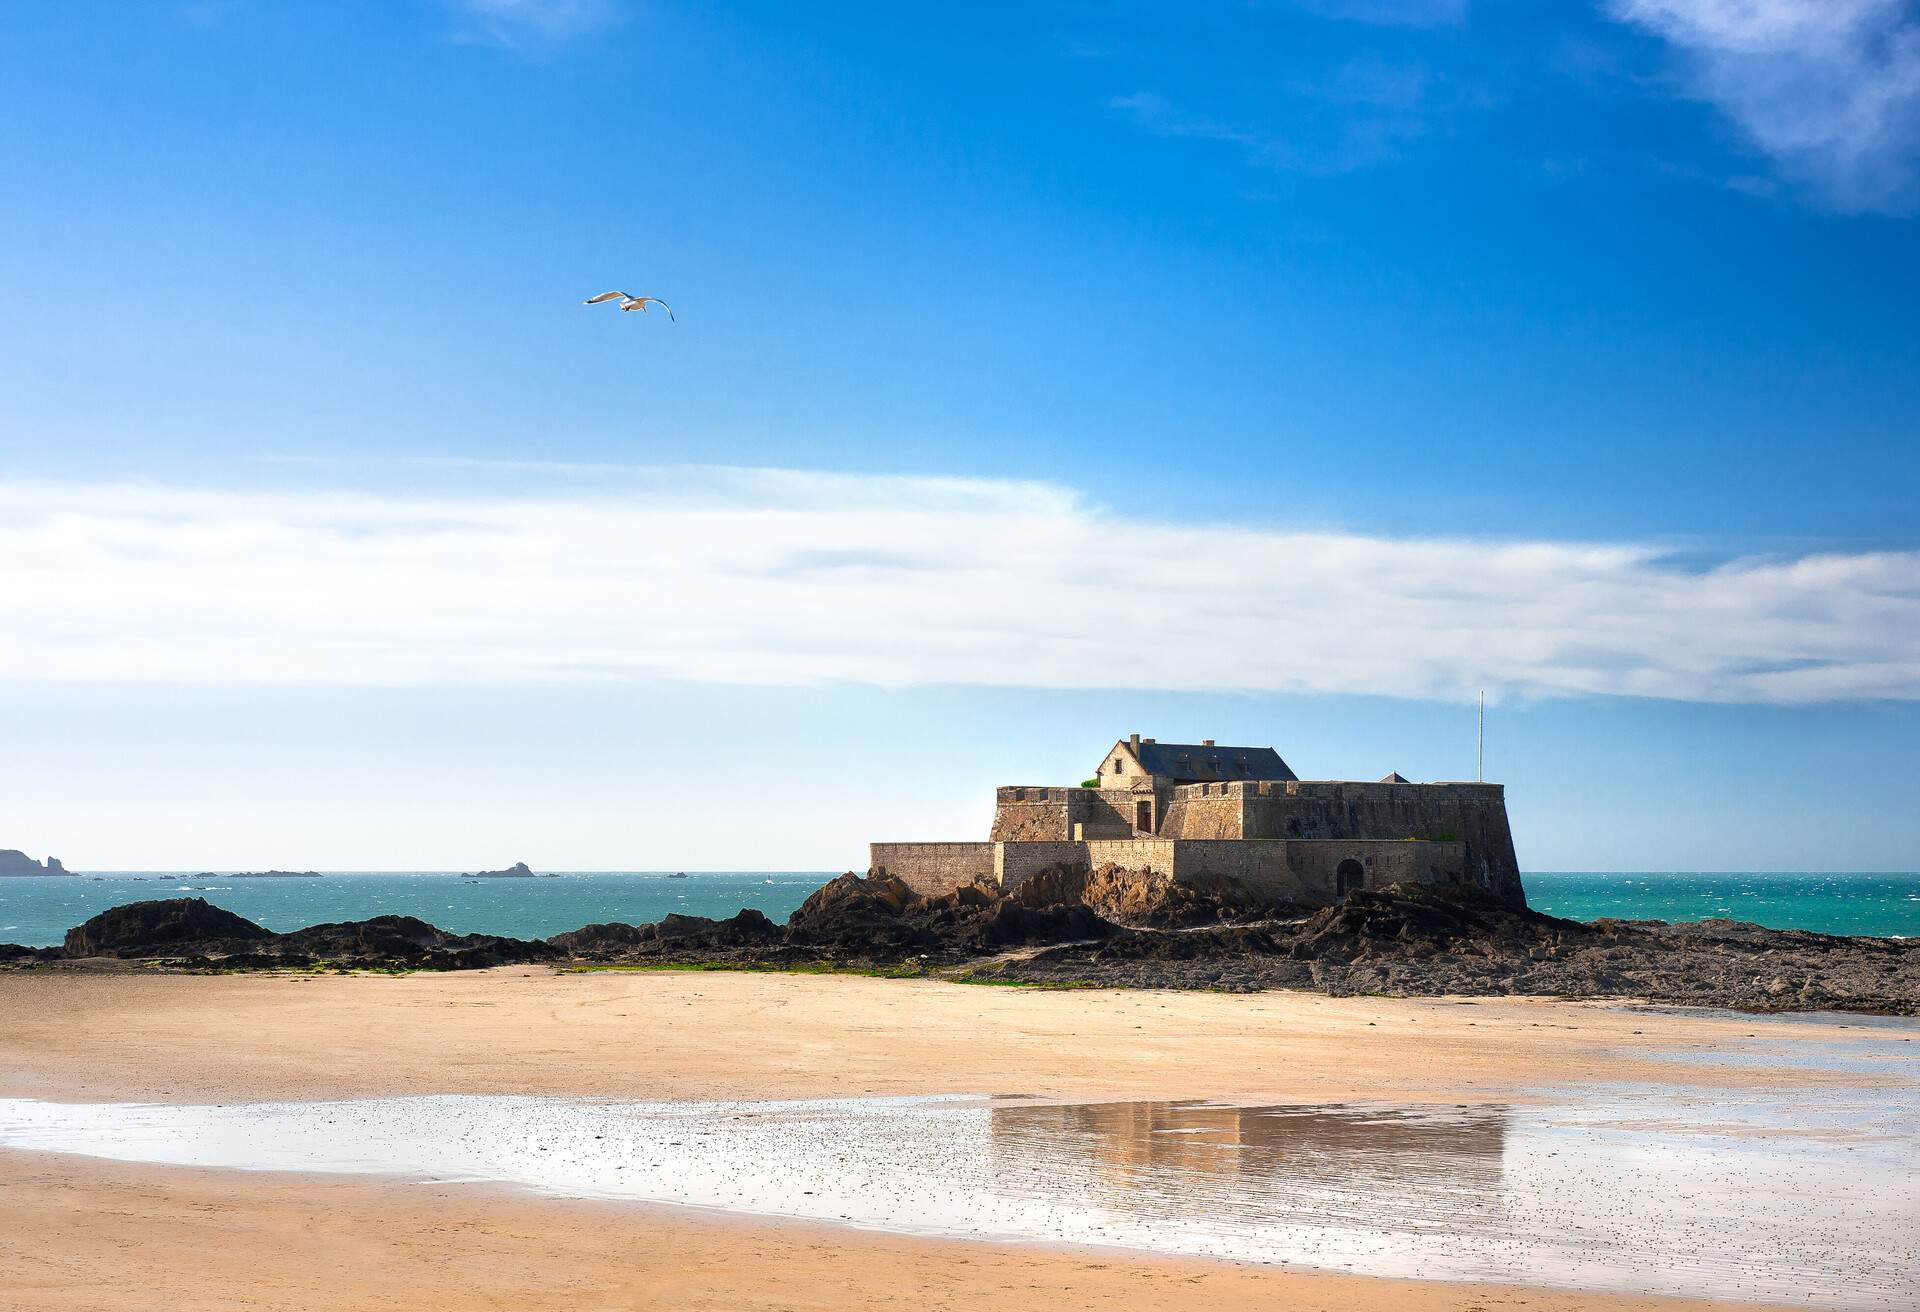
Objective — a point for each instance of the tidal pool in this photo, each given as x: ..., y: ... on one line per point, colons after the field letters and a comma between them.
x: 1651, y: 1188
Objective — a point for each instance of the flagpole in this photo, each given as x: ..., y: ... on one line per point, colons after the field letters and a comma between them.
x: 1480, y: 742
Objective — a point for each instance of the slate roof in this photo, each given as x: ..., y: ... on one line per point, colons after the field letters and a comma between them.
x: 1195, y: 763
x: 1396, y: 778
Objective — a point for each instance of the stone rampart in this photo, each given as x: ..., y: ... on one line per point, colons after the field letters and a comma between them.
x: 1286, y: 870
x: 931, y: 868
x: 1014, y: 863
x: 1285, y: 837
x: 1472, y: 813
x: 1194, y: 811
x: 1033, y: 813
x: 1152, y: 854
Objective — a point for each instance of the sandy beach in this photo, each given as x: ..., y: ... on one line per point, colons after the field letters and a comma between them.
x: 685, y: 1035
x: 81, y: 1232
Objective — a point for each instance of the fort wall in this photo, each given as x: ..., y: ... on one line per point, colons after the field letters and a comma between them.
x: 1205, y: 811
x: 1034, y: 813
x: 1287, y: 838
x: 1025, y: 813
x: 931, y: 868
x: 1472, y: 813
x: 1287, y: 870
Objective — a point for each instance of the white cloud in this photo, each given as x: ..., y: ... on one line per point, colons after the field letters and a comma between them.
x: 1829, y: 89
x: 516, y: 24
x: 792, y: 577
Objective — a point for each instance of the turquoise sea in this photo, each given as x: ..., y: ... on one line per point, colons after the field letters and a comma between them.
x: 1882, y: 905
x: 38, y: 910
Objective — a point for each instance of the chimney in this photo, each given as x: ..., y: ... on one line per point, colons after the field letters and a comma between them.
x: 1133, y: 740
x: 1206, y: 742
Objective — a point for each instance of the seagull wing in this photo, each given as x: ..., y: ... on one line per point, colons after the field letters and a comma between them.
x: 641, y: 303
x: 605, y: 296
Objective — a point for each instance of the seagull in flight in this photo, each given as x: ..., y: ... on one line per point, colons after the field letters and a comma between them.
x: 630, y: 302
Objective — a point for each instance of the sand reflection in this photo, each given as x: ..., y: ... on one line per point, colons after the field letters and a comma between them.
x: 1430, y: 1168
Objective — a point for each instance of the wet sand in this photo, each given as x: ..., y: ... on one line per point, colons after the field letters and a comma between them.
x: 77, y: 1232
x: 82, y: 1236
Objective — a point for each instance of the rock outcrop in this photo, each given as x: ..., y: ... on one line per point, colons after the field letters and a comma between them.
x: 15, y: 862
x: 1422, y: 940
x: 674, y: 934
x: 192, y: 931
x: 1412, y: 940
x: 879, y: 917
x: 518, y: 870
x: 180, y: 924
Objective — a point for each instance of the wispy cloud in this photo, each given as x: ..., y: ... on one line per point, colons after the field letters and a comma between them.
x: 1158, y: 115
x: 1391, y: 13
x: 1828, y: 89
x: 1365, y: 112
x: 792, y: 577
x: 531, y: 24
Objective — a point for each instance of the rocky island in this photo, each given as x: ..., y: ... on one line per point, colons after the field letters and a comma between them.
x: 518, y: 870
x: 17, y: 863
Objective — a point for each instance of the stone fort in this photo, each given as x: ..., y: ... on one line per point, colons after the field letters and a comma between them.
x: 1204, y: 814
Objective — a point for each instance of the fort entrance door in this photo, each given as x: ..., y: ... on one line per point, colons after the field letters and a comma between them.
x: 1348, y: 875
x: 1143, y: 817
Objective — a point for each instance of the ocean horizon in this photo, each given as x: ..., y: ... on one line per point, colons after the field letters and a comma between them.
x: 37, y: 910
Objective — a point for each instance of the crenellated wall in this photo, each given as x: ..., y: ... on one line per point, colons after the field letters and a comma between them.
x: 1031, y: 813
x: 1036, y: 813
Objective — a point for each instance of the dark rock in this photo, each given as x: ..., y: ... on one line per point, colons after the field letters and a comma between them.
x: 675, y: 937
x: 879, y: 918
x: 403, y: 941
x: 860, y: 917
x: 1419, y: 940
x: 603, y: 942
x: 173, y: 926
x: 195, y: 931
x: 1426, y: 940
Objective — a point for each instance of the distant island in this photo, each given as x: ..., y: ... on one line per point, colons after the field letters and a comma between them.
x: 17, y: 863
x: 266, y: 874
x: 518, y: 870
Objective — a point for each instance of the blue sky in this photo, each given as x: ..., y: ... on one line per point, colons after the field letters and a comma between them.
x: 1278, y: 372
